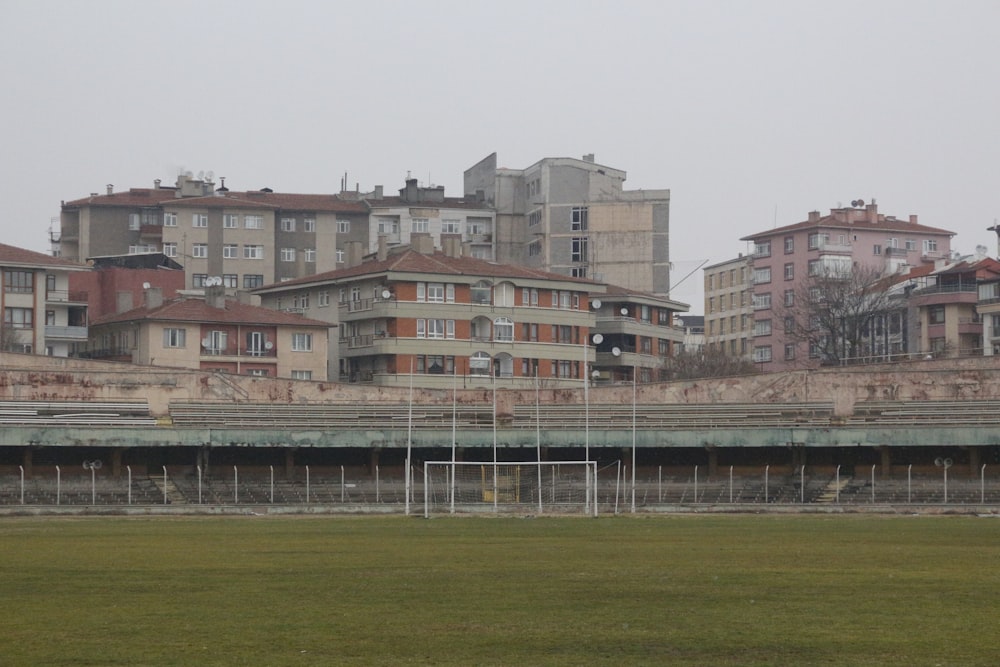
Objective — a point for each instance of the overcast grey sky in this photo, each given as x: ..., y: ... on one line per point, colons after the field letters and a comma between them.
x: 751, y: 113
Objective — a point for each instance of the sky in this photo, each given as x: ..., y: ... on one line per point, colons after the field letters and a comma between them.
x: 752, y: 113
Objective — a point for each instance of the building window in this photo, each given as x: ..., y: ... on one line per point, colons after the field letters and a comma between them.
x: 762, y: 249
x: 534, y: 248
x: 814, y: 267
x: 935, y: 315
x: 789, y: 324
x: 253, y: 222
x: 789, y: 271
x: 481, y: 292
x: 170, y: 249
x: 578, y: 272
x: 302, y: 375
x: 503, y: 329
x: 230, y: 280
x: 288, y: 254
x: 258, y: 372
x: 578, y: 219
x: 535, y: 218
x: 503, y: 295
x: 451, y: 226
x: 340, y: 257
x: 818, y: 240
x: 323, y: 298
x: 198, y: 279
x: 288, y: 224
x: 302, y: 342
x: 230, y: 221
x: 930, y: 245
x: 174, y: 337
x: 309, y: 255
x: 420, y: 225
x: 789, y: 351
x: 19, y: 282
x: 251, y: 280
x: 169, y: 219
x: 19, y: 318
x: 762, y: 328
x: 199, y: 220
x: 253, y: 252
x: 199, y: 250
x: 762, y: 301
x: 230, y: 251
x: 578, y: 251
x: 789, y: 245
x: 388, y: 226
x: 876, y: 249
x: 343, y: 226
x: 762, y: 275
x: 762, y: 354
x: 911, y: 244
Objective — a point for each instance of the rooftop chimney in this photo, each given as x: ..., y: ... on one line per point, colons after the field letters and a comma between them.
x: 589, y: 157
x: 153, y: 297
x: 378, y: 192
x: 215, y: 296
x: 913, y: 219
x: 156, y: 184
x: 111, y: 189
x: 383, y: 248
x: 813, y: 216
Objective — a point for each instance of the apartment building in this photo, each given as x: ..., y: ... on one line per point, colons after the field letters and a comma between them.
x: 208, y: 331
x: 786, y: 259
x: 247, y: 239
x: 425, y: 212
x: 41, y: 313
x: 728, y: 307
x: 434, y: 319
x: 634, y: 335
x: 574, y: 217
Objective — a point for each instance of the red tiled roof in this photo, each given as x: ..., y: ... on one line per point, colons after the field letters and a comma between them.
x: 187, y: 309
x: 12, y: 255
x: 411, y: 261
x: 137, y: 197
x: 888, y: 224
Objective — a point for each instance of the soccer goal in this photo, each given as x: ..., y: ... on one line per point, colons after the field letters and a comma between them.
x: 509, y: 487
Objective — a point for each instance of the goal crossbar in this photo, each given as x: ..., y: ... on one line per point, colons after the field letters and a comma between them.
x: 510, y: 487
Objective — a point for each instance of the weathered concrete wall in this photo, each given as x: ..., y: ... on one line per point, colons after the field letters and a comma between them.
x: 39, y: 378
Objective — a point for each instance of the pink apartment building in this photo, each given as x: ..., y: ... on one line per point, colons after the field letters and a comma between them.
x: 784, y: 259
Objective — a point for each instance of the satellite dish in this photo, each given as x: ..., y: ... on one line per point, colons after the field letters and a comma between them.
x: 268, y: 345
x: 598, y: 339
x: 616, y: 351
x: 206, y: 342
x: 595, y: 304
x: 939, y: 461
x: 386, y: 294
x: 947, y: 463
x: 146, y: 286
x: 624, y: 311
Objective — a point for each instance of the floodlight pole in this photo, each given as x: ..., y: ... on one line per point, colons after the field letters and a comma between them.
x: 409, y: 443
x: 633, y: 437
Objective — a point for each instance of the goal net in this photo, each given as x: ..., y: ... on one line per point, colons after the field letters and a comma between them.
x: 510, y: 487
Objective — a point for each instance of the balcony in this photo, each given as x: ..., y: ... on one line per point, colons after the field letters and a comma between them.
x: 65, y: 296
x: 837, y: 248
x: 53, y: 332
x: 234, y: 352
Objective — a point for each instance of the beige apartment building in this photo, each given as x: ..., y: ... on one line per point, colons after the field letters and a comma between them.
x: 728, y: 307
x: 574, y: 217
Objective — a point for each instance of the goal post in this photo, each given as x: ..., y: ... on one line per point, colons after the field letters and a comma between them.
x: 563, y: 487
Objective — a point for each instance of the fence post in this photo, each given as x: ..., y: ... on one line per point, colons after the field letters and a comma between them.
x: 730, y: 485
x: 164, y: 485
x: 802, y: 483
x: 236, y: 486
x: 341, y: 484
x: 873, y: 483
x: 659, y: 484
x: 22, y: 483
x: 696, y: 484
x: 129, y: 469
x: 199, y: 485
x: 909, y: 484
x: 767, y: 493
x: 838, y: 485
x: 272, y: 484
x: 307, y: 485
x: 982, y: 485
x: 58, y: 486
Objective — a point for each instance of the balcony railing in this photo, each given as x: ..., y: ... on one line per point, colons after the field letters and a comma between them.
x: 948, y: 288
x: 66, y: 333
x: 65, y: 296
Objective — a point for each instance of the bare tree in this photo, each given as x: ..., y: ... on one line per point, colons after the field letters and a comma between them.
x: 843, y: 313
x: 9, y: 341
x: 706, y: 363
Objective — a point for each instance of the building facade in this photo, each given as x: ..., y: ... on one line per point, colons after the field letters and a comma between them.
x: 207, y: 331
x: 434, y: 319
x: 42, y: 314
x: 728, y: 326
x: 787, y: 260
x: 247, y: 239
x: 574, y: 217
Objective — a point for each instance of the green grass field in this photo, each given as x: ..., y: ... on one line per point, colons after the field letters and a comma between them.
x: 696, y: 590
